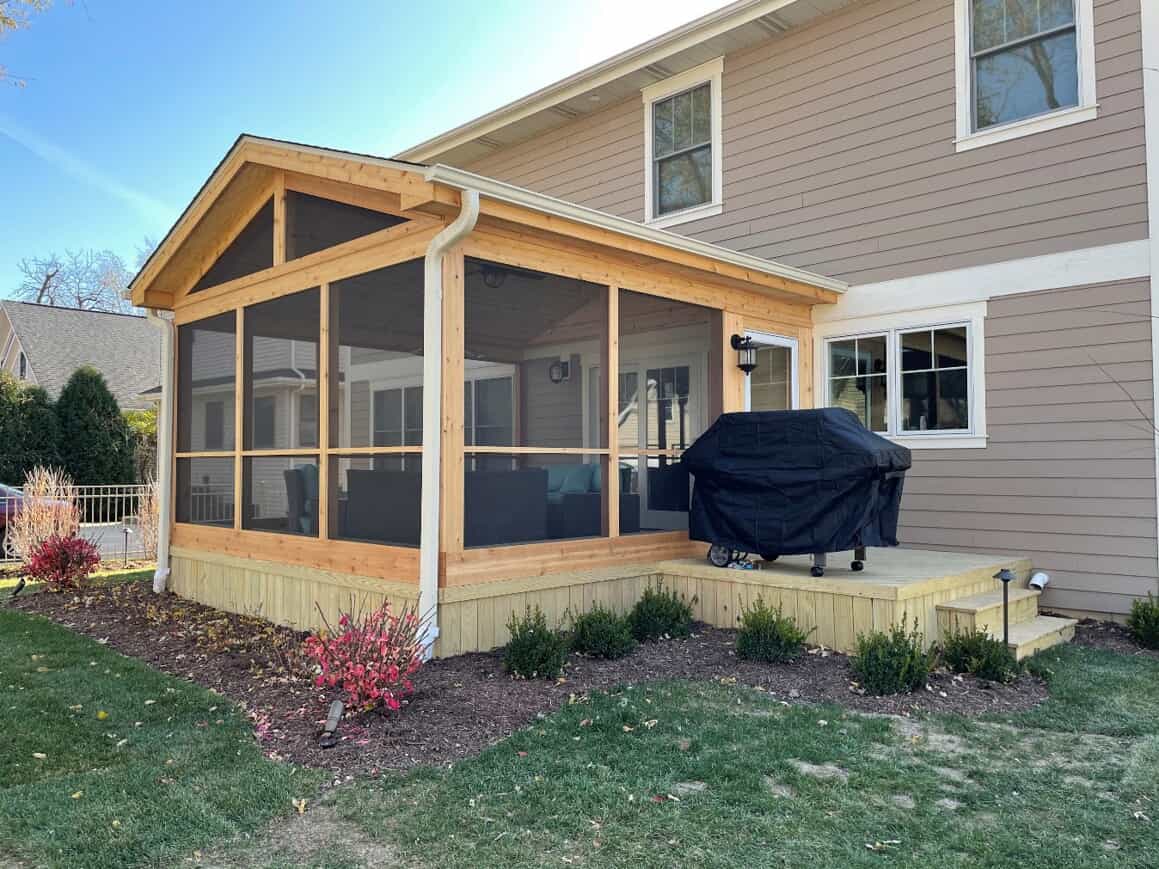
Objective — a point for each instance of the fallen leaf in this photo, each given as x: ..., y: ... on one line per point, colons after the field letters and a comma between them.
x: 587, y: 722
x: 652, y: 722
x: 628, y: 728
x: 102, y: 715
x: 39, y: 755
x: 78, y: 795
x: 300, y: 805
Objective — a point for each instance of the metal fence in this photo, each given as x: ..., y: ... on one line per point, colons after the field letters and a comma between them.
x: 108, y: 517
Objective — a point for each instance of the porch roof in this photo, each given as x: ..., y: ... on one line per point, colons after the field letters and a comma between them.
x: 248, y: 175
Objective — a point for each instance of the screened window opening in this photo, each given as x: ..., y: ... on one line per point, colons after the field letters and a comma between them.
x: 682, y: 150
x: 376, y: 405
x: 281, y: 494
x: 314, y: 223
x: 204, y: 491
x: 252, y: 251
x: 206, y: 384
x: 662, y: 407
x: 281, y: 366
x: 1024, y: 59
x: 859, y: 381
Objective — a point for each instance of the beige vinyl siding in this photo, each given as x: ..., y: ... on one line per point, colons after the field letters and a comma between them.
x: 839, y: 154
x: 1068, y: 477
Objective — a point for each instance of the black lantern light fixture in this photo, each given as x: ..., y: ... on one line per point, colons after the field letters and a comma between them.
x: 746, y: 353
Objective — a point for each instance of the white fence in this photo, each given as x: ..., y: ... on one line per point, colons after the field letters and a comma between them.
x: 108, y: 519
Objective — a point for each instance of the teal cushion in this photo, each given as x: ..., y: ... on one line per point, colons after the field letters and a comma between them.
x: 578, y: 480
x: 556, y: 474
x: 597, y: 479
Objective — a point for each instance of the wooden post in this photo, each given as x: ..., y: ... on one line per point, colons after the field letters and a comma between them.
x: 609, y: 411
x: 325, y: 356
x: 239, y: 427
x: 279, y: 218
x: 732, y: 378
x: 454, y: 376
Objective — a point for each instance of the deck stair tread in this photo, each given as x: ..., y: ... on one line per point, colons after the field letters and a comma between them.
x: 1039, y: 633
x: 977, y: 603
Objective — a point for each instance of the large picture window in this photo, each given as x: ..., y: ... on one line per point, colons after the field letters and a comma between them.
x: 1024, y: 65
x: 909, y: 382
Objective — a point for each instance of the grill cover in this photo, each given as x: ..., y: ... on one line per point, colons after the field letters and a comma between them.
x: 793, y: 482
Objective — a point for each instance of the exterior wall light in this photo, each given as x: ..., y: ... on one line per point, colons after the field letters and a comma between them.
x: 746, y: 353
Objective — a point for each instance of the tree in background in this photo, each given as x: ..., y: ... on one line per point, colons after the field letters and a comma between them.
x: 29, y: 434
x: 143, y: 428
x: 15, y: 15
x: 89, y: 280
x: 98, y: 447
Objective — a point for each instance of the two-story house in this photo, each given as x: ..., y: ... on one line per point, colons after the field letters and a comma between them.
x: 978, y: 172
x: 465, y: 377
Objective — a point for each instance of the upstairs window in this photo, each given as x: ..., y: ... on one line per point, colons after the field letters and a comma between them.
x: 23, y: 363
x: 683, y: 176
x: 1023, y: 66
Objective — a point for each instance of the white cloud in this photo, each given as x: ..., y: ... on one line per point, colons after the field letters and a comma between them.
x: 153, y: 210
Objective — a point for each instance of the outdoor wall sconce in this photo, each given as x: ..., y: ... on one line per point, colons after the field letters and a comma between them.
x: 559, y: 371
x: 746, y: 353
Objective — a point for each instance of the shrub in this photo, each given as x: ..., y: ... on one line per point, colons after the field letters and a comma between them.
x: 767, y: 635
x: 28, y: 430
x: 892, y: 663
x: 602, y: 634
x: 63, y: 563
x: 98, y: 448
x: 660, y: 613
x: 47, y: 509
x: 1143, y: 622
x: 371, y: 656
x: 982, y: 655
x: 534, y: 650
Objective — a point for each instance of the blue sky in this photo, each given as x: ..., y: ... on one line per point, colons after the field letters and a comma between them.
x: 129, y: 105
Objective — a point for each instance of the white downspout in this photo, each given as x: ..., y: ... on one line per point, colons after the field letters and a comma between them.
x: 433, y: 412
x: 164, y: 449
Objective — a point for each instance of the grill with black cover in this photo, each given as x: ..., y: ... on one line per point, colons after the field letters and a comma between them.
x: 794, y: 482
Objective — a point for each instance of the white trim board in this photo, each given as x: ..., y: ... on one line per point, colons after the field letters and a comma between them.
x: 1149, y: 31
x: 1092, y: 265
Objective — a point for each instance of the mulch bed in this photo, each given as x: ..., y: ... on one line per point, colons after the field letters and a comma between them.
x: 1111, y: 636
x: 462, y: 704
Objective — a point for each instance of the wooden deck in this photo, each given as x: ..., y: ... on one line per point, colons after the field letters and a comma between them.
x: 896, y: 584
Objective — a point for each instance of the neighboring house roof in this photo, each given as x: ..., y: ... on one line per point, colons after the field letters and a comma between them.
x: 126, y: 349
x: 728, y: 29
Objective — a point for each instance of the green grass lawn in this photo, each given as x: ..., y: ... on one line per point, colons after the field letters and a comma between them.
x: 108, y: 763
x: 756, y: 783
x: 1057, y: 787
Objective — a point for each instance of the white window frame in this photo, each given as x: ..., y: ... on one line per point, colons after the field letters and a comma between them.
x: 711, y: 73
x: 1086, y: 110
x: 972, y: 316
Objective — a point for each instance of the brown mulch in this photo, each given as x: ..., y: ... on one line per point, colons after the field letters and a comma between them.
x: 462, y: 704
x: 1111, y: 636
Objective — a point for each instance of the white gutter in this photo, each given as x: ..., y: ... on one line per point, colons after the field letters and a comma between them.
x: 544, y: 204
x: 433, y: 412
x: 164, y: 449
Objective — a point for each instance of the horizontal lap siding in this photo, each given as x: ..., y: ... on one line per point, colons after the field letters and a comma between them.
x: 839, y: 154
x: 1068, y: 477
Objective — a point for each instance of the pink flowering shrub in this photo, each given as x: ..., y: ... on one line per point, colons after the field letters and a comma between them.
x: 371, y: 656
x: 62, y: 563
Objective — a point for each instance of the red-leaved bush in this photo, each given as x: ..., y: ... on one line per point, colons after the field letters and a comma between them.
x: 371, y: 655
x: 62, y: 563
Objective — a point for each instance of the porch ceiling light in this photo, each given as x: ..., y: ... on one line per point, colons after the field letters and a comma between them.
x: 746, y: 353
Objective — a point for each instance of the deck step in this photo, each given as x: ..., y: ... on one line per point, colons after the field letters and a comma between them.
x: 983, y: 611
x: 1027, y: 638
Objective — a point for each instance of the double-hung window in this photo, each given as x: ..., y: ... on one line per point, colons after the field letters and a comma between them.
x: 682, y: 163
x: 1023, y: 66
x: 921, y: 384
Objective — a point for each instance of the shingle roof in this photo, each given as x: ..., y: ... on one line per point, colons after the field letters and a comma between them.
x: 126, y: 349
